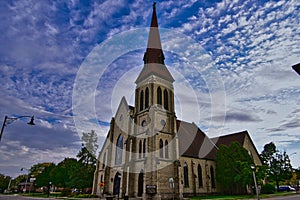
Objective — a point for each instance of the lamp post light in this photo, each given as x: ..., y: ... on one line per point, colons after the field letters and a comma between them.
x: 25, y: 188
x: 9, y: 120
x: 296, y: 68
x: 49, y: 186
x: 255, y: 182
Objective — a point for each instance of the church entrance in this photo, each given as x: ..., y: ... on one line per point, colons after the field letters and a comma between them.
x: 117, y: 183
x: 140, y: 184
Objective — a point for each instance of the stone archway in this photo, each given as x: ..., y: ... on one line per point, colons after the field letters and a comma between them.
x: 141, y: 184
x: 117, y: 184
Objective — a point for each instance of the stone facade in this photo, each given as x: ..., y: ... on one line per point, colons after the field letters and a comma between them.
x: 148, y: 152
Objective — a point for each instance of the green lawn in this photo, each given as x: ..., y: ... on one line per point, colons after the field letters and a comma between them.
x: 58, y: 195
x: 224, y: 197
x: 236, y: 197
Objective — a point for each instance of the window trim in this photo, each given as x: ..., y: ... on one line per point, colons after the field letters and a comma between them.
x: 119, y: 150
x: 185, y: 175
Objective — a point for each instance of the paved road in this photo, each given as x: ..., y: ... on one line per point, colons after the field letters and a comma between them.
x: 292, y: 197
x: 19, y: 197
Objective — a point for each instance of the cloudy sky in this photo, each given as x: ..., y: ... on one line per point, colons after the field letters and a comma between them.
x: 69, y: 63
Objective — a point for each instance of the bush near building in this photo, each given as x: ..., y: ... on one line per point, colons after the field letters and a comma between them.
x: 268, y: 189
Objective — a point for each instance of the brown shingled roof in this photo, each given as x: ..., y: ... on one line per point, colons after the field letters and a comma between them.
x: 192, y: 141
x: 226, y: 140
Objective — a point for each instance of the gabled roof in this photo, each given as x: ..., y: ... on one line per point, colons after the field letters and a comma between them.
x: 154, y: 57
x: 226, y: 140
x: 192, y: 141
x: 155, y: 69
x: 123, y: 106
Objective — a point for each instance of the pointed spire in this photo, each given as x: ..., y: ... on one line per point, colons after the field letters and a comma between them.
x: 154, y: 59
x: 154, y: 53
x: 154, y: 18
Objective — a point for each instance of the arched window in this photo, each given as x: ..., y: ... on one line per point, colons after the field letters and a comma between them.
x: 147, y: 98
x: 117, y: 183
x: 104, y: 161
x: 142, y: 100
x: 119, y: 150
x: 166, y: 149
x: 140, y: 184
x: 185, y: 175
x: 166, y: 100
x: 144, y: 148
x: 159, y: 96
x: 140, y: 149
x: 212, y: 177
x: 161, y: 146
x: 200, y: 181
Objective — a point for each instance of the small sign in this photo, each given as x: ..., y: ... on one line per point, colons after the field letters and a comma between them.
x: 171, y: 181
x: 151, y: 189
x: 32, y: 180
x: 101, y: 184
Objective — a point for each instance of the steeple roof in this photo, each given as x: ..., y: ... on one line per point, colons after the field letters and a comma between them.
x: 154, y: 57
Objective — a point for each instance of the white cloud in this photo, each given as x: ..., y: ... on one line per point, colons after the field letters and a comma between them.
x: 19, y: 156
x: 252, y: 44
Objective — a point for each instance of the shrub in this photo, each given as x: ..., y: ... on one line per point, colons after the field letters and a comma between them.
x: 85, y: 196
x: 268, y: 189
x: 66, y: 192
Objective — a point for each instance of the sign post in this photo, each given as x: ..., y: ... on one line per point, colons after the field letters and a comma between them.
x: 151, y: 189
x: 101, y: 184
x: 171, y: 181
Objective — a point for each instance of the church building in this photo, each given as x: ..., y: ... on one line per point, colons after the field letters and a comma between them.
x: 148, y: 152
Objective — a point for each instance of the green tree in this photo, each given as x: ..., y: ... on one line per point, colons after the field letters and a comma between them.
x: 83, y: 176
x: 71, y: 173
x: 278, y: 164
x: 233, y: 171
x: 280, y: 168
x: 298, y: 173
x: 268, y: 153
x: 87, y: 154
x: 38, y: 170
x: 15, y: 183
x: 63, y: 171
x: 4, y: 181
x: 45, y: 176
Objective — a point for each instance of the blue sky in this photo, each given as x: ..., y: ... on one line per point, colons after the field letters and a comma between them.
x: 230, y: 59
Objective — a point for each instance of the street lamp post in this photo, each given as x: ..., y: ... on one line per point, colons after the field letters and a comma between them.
x: 49, y: 186
x: 296, y: 68
x: 255, y: 182
x: 12, y: 119
x: 25, y: 188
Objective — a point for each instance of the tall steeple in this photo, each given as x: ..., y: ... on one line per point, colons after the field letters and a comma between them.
x: 154, y: 53
x: 154, y: 59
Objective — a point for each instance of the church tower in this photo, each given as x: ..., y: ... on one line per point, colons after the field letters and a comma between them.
x: 150, y: 154
x: 154, y: 85
x: 155, y: 120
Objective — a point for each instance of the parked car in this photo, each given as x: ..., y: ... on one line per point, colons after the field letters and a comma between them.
x: 286, y: 188
x: 7, y: 191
